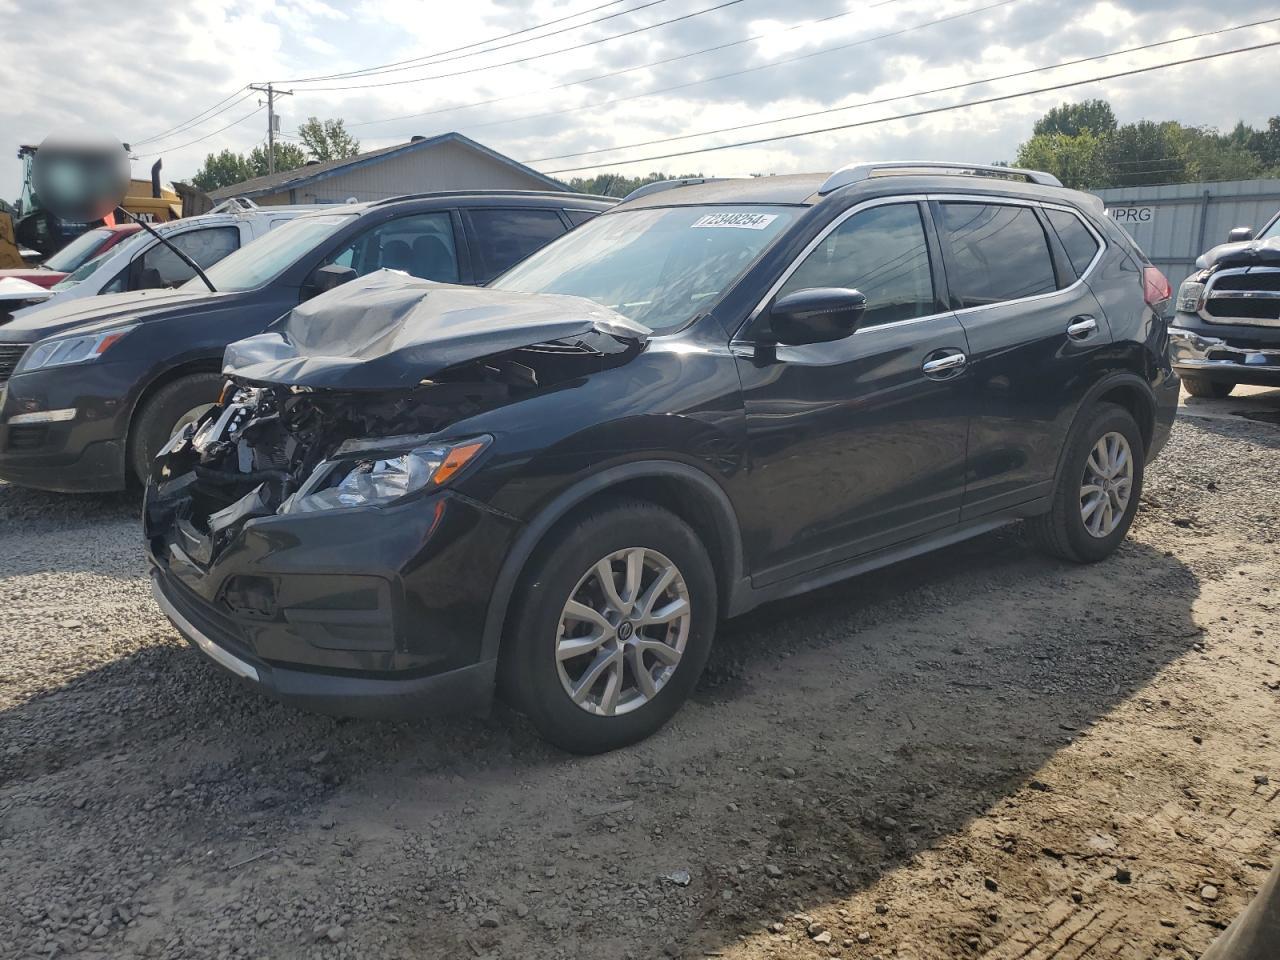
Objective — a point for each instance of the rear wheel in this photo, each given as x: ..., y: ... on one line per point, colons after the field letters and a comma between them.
x: 1204, y: 387
x: 166, y: 412
x: 612, y: 627
x: 1097, y: 493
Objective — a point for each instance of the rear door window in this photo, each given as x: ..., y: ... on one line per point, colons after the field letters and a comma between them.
x: 205, y: 246
x: 996, y: 252
x: 1076, y: 239
x: 502, y: 238
x: 881, y: 253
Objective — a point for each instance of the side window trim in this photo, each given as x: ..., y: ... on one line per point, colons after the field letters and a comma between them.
x: 744, y: 331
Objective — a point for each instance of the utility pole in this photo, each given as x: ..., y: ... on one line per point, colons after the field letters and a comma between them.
x: 271, y: 93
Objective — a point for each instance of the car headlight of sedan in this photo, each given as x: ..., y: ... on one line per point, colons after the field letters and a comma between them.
x: 1190, y: 296
x: 64, y: 351
x: 384, y: 475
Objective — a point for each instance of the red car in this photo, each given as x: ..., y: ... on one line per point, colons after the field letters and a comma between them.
x: 79, y: 251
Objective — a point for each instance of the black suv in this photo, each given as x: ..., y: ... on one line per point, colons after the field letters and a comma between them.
x: 716, y: 394
x: 90, y: 390
x: 1227, y: 326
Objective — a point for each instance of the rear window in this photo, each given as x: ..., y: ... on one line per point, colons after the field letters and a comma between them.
x: 998, y: 252
x: 1076, y: 239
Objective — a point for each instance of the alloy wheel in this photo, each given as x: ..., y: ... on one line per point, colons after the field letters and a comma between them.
x: 623, y: 631
x: 1107, y: 484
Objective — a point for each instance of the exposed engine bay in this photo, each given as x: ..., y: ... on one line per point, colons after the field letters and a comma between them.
x: 253, y: 452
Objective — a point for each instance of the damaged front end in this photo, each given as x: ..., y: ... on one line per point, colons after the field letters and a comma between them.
x: 342, y: 404
x: 268, y: 450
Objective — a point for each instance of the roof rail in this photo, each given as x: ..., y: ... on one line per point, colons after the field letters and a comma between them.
x: 856, y: 172
x: 659, y: 185
x: 557, y: 194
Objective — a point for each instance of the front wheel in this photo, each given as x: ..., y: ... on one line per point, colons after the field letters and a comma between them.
x: 1097, y: 493
x: 167, y: 411
x: 612, y: 627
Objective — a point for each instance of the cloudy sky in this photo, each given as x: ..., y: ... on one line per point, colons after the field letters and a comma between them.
x: 142, y: 69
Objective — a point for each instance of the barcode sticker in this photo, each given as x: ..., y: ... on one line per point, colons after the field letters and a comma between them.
x: 736, y: 221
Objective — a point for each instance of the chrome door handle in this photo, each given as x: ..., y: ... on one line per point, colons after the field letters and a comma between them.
x: 952, y: 362
x: 1081, y: 327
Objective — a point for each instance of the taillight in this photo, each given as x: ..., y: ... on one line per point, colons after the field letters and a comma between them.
x: 1155, y: 288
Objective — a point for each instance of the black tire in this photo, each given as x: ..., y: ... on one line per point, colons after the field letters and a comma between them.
x: 1204, y: 387
x: 1062, y: 530
x: 529, y: 676
x: 158, y: 417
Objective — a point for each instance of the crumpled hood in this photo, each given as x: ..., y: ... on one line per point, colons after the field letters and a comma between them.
x: 1250, y: 253
x: 388, y: 330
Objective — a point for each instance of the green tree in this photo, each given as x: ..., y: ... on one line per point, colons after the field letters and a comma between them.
x: 1072, y: 119
x: 328, y: 139
x: 617, y: 185
x: 1078, y: 161
x: 222, y: 170
x: 226, y: 169
x: 289, y: 156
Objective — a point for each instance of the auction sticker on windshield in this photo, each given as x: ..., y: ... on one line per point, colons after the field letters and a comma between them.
x: 738, y: 221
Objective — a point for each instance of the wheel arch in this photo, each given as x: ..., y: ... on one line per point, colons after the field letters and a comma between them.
x: 1125, y: 389
x: 689, y: 493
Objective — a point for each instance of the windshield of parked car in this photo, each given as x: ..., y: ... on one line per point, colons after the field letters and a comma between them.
x: 1271, y: 230
x: 658, y: 266
x: 78, y: 250
x: 265, y: 259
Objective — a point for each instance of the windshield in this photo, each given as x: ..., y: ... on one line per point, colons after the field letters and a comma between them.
x: 263, y: 260
x: 78, y: 250
x: 1272, y: 229
x: 659, y: 267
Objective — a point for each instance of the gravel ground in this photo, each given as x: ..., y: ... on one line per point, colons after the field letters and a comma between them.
x: 978, y: 753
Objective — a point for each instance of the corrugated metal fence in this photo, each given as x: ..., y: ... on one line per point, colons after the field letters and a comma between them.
x: 1174, y: 224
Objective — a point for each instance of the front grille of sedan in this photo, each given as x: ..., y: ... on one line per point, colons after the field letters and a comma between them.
x: 1246, y: 295
x: 10, y: 354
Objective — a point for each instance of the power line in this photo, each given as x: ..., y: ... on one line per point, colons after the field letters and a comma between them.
x: 618, y: 73
x: 536, y: 56
x: 256, y: 110
x: 919, y: 113
x: 430, y: 58
x: 197, y: 119
x: 903, y: 96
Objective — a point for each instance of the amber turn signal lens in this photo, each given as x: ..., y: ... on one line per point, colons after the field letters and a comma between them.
x: 456, y: 459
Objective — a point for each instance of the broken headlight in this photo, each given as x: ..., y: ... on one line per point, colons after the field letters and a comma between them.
x: 383, y: 476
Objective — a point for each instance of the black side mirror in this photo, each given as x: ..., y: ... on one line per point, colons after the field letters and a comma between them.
x: 149, y: 279
x: 817, y: 315
x: 1240, y: 235
x: 328, y: 278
